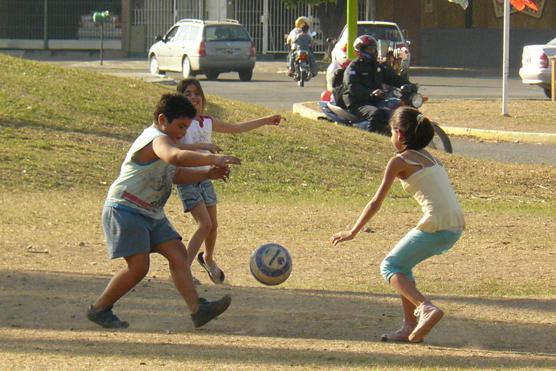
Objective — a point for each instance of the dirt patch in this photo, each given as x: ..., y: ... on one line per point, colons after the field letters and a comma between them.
x: 497, y: 287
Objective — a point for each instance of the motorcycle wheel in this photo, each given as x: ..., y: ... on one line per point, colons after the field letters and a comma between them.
x: 301, y: 82
x: 440, y: 141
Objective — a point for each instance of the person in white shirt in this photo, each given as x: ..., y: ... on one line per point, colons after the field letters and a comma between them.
x: 200, y: 198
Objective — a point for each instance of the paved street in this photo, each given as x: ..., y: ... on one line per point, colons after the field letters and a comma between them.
x: 272, y: 88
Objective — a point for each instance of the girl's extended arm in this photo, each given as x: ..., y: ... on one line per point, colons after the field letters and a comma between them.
x: 392, y: 170
x: 167, y: 150
x: 226, y: 127
x: 200, y: 146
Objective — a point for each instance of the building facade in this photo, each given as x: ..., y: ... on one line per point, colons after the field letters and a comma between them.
x: 441, y: 33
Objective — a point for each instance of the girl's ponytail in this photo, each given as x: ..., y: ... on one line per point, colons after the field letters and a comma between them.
x: 416, y: 128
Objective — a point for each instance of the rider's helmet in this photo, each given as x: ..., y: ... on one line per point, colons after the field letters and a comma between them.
x: 366, y: 47
x: 301, y: 21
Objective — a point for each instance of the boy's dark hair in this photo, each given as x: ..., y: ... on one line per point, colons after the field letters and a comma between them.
x: 173, y: 106
x: 183, y: 84
x: 416, y: 128
x: 305, y: 28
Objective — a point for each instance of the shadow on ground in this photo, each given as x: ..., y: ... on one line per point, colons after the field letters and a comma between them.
x: 57, y: 302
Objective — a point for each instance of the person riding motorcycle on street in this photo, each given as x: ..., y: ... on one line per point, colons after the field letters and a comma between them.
x: 361, y: 90
x: 299, y: 38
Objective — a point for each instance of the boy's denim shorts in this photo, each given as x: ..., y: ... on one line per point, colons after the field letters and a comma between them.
x: 192, y: 195
x: 130, y: 233
x: 415, y: 247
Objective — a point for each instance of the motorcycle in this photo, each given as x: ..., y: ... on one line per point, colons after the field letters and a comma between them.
x: 407, y: 95
x: 302, y: 67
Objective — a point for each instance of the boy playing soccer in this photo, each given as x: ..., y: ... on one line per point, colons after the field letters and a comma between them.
x: 133, y: 215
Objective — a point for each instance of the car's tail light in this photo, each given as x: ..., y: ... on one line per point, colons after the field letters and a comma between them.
x: 202, y: 49
x: 544, y: 60
x: 253, y: 50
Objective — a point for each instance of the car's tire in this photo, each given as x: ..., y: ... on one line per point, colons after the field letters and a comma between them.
x: 548, y: 92
x: 154, y: 67
x: 186, y: 68
x: 246, y: 75
x: 212, y: 75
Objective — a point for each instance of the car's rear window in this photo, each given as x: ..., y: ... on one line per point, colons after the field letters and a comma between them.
x: 226, y: 33
x: 380, y: 32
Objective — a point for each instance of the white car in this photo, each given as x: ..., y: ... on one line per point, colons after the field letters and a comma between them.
x: 535, y: 65
x: 389, y: 38
x: 194, y: 46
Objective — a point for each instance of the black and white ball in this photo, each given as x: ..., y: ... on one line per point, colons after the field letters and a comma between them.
x: 271, y: 264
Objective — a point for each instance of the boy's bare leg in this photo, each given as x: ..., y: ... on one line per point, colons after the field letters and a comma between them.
x: 124, y: 280
x: 210, y: 240
x: 178, y: 261
x: 204, y: 226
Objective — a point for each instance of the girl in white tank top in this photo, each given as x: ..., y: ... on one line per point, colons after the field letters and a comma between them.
x: 200, y: 199
x: 440, y: 227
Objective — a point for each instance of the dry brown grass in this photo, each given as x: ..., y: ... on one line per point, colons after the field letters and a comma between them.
x: 525, y: 115
x: 497, y: 287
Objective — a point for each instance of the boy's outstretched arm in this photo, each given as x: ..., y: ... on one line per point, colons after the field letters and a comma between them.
x: 186, y: 175
x: 167, y: 150
x: 226, y: 127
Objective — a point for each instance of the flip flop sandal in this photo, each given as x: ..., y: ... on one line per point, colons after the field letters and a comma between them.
x: 216, y: 275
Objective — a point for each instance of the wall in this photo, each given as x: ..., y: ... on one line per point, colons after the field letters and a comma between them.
x: 444, y: 40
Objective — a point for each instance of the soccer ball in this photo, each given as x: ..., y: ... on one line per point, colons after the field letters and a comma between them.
x: 271, y: 264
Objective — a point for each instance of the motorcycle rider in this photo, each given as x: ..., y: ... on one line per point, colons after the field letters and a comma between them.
x: 361, y: 91
x: 299, y: 38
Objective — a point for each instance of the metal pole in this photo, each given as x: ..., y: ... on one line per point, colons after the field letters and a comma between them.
x: 505, y: 57
x: 352, y: 16
x: 101, y: 42
x: 265, y: 26
x: 370, y: 6
x: 553, y: 80
x: 45, y: 26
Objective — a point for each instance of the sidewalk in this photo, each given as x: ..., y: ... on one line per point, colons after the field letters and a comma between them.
x: 312, y: 111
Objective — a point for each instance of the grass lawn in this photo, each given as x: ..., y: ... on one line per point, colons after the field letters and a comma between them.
x: 64, y: 133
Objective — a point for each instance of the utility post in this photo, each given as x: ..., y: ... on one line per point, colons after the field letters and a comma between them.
x: 370, y: 10
x: 45, y: 26
x: 100, y: 18
x: 352, y: 16
x: 553, y: 78
x: 264, y: 21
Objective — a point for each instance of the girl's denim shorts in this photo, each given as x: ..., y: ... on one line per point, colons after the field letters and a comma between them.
x: 192, y: 195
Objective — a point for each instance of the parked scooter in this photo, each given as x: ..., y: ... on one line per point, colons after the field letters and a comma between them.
x: 407, y: 95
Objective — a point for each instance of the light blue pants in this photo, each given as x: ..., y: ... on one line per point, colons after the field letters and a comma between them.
x: 415, y: 247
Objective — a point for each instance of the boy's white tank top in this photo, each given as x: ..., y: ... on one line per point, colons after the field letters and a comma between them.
x: 200, y: 131
x: 143, y: 187
x: 432, y: 189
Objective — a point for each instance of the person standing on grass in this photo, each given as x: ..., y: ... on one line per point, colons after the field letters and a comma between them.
x: 439, y: 229
x: 133, y: 215
x: 200, y: 198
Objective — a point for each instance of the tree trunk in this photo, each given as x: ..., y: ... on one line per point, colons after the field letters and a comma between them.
x: 332, y: 20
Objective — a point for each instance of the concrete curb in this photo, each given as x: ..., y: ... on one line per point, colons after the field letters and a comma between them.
x: 501, y: 135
